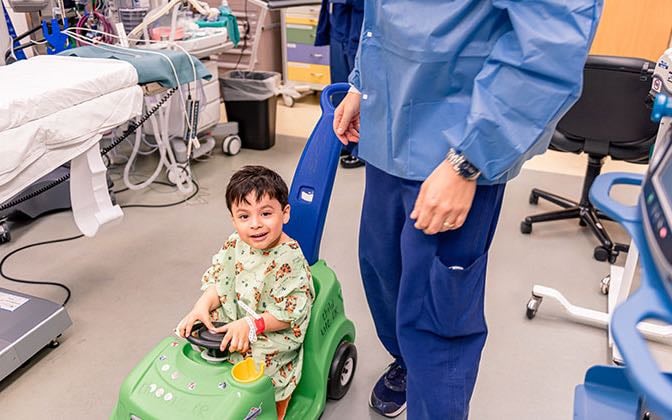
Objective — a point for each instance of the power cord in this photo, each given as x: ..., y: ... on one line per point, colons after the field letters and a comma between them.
x: 72, y: 238
x: 63, y: 286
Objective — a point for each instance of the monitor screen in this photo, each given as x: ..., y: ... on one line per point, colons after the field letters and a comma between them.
x: 665, y: 177
x: 657, y: 211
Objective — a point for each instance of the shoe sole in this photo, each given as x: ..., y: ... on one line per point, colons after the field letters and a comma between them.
x: 390, y: 415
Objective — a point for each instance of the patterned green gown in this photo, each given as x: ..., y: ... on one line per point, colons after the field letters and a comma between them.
x: 276, y: 280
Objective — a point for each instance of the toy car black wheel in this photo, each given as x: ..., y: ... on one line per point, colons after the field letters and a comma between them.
x: 342, y: 370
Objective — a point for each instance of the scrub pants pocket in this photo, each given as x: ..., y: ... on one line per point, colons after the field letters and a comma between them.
x: 453, y: 303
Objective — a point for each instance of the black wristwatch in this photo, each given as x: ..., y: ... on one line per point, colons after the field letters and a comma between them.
x: 462, y: 166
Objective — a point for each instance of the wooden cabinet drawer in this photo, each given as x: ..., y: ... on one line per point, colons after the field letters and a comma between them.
x: 310, y: 73
x: 310, y: 54
x: 301, y: 34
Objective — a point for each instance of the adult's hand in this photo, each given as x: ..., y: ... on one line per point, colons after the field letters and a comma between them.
x: 346, y: 118
x: 444, y: 201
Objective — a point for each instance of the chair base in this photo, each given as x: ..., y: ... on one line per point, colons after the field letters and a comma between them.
x: 608, y: 250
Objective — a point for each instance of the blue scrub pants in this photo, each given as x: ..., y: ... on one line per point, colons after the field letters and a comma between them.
x: 341, y: 61
x: 341, y: 64
x: 426, y: 292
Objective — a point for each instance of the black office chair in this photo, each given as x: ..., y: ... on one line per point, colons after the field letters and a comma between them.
x: 611, y: 118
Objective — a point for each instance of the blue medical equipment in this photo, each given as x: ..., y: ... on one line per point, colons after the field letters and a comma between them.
x: 640, y: 390
x: 57, y: 41
x: 227, y: 20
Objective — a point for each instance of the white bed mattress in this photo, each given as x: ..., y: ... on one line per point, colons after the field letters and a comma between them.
x: 54, y: 108
x: 34, y: 149
x: 34, y: 88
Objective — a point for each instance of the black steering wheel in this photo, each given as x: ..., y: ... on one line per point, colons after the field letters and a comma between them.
x: 202, y: 337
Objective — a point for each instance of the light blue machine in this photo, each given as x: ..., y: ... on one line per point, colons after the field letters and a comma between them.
x: 640, y: 390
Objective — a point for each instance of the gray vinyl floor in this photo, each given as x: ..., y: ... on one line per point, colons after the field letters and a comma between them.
x: 133, y: 282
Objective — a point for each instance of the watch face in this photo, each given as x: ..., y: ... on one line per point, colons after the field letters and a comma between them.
x: 468, y: 170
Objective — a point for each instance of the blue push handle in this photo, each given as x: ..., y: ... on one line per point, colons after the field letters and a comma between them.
x: 621, y: 213
x: 642, y: 370
x: 327, y: 93
x: 313, y: 179
x: 328, y: 107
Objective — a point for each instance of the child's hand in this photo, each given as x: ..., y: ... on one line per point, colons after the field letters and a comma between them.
x: 237, y: 334
x: 197, y: 314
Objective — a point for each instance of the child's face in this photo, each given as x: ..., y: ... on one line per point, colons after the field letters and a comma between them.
x: 259, y: 223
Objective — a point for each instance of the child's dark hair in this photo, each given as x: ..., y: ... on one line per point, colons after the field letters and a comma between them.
x: 258, y: 179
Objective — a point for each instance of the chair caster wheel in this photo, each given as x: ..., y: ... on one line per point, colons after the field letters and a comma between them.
x: 601, y: 253
x: 604, y: 285
x: 231, y: 145
x: 288, y: 101
x: 525, y: 227
x: 534, y: 198
x: 533, y: 306
x: 5, y: 236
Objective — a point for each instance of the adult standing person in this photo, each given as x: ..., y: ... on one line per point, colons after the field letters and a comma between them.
x: 452, y: 97
x: 340, y: 26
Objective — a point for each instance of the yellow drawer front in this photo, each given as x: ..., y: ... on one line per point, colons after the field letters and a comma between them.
x: 296, y: 20
x: 311, y: 73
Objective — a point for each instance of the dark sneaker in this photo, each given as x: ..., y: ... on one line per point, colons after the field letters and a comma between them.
x: 389, y: 394
x: 350, y: 162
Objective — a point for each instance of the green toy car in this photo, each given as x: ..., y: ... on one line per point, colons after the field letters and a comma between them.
x: 190, y: 379
x: 175, y: 381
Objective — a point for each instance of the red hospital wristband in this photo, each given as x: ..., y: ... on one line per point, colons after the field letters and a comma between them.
x: 260, y: 324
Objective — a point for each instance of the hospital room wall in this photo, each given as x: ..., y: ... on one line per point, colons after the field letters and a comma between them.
x: 641, y: 28
x: 18, y: 19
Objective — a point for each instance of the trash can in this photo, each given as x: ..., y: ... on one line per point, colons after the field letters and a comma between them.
x: 250, y: 98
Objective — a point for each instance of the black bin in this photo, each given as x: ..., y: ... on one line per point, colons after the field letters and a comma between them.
x: 250, y: 98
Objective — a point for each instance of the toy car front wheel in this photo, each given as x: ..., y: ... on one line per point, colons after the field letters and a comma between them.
x: 342, y: 370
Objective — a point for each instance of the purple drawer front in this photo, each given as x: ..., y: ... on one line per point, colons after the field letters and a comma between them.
x: 302, y: 53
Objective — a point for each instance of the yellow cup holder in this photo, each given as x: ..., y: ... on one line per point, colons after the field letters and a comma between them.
x: 246, y: 371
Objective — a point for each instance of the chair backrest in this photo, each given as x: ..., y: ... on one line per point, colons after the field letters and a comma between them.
x: 611, y: 117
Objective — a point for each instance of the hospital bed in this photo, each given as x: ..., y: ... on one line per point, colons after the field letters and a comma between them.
x: 54, y: 110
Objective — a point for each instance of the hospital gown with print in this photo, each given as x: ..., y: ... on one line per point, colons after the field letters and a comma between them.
x: 278, y: 281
